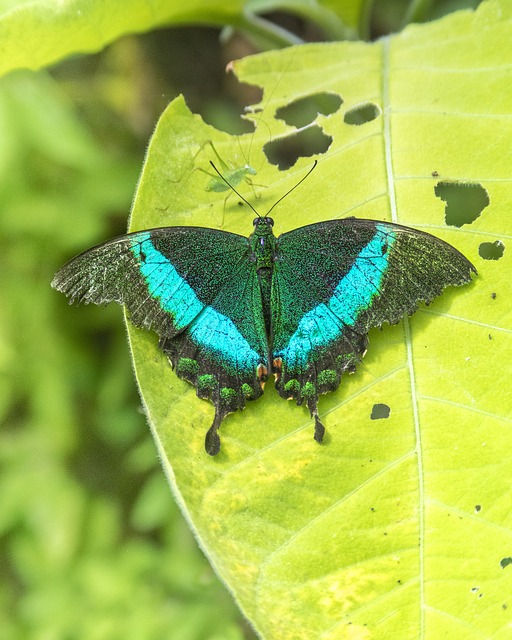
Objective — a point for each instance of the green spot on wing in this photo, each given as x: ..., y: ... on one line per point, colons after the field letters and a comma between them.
x: 327, y: 377
x: 247, y: 390
x: 308, y: 390
x: 206, y: 382
x: 187, y: 367
x: 228, y: 398
x: 346, y: 361
x: 292, y: 386
x: 227, y: 393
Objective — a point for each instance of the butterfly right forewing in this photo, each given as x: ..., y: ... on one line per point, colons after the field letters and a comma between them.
x: 335, y: 280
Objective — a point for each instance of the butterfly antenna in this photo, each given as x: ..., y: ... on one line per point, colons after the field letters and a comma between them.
x: 233, y: 189
x: 294, y: 187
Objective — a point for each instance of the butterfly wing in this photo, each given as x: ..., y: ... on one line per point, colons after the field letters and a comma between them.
x: 199, y: 291
x: 335, y: 280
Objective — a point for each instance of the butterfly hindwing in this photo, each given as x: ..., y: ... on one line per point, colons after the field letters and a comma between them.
x: 335, y: 280
x: 224, y: 352
x: 199, y: 291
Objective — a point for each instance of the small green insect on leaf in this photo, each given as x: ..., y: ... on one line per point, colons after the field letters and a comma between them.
x: 232, y: 175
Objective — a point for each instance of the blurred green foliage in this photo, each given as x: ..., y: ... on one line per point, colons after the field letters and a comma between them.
x: 92, y: 545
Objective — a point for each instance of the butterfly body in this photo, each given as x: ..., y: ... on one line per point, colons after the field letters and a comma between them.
x: 230, y: 310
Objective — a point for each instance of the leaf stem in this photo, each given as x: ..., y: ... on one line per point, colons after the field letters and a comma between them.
x: 269, y: 35
x: 417, y: 11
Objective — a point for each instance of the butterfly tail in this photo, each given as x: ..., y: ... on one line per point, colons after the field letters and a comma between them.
x: 319, y: 427
x: 212, y: 439
x: 228, y: 391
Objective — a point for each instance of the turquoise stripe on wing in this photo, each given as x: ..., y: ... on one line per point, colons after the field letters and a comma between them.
x: 209, y: 329
x: 218, y: 336
x: 325, y: 323
x: 165, y: 284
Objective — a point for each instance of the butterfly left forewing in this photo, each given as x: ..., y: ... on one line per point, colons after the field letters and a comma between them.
x: 158, y: 274
x: 335, y: 280
x: 198, y: 290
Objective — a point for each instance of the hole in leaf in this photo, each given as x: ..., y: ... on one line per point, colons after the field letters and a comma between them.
x: 303, y: 111
x: 478, y: 508
x: 284, y: 152
x: 504, y: 562
x: 493, y: 295
x: 362, y: 113
x: 491, y: 250
x: 464, y: 201
x: 380, y: 411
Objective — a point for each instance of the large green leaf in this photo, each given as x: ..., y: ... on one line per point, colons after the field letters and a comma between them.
x: 396, y: 528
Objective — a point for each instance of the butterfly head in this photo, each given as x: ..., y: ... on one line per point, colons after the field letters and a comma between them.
x: 262, y: 223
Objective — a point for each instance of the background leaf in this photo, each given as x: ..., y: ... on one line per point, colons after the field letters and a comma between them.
x: 87, y: 523
x: 51, y: 31
x: 393, y: 528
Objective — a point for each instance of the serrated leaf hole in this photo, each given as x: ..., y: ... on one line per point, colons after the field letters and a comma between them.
x: 284, y: 152
x: 380, y: 411
x: 304, y: 111
x: 491, y: 250
x: 362, y: 113
x: 464, y: 201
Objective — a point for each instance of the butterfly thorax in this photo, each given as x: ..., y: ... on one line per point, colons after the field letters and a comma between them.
x: 263, y: 243
x: 263, y: 251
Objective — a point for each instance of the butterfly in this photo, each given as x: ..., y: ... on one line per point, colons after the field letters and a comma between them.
x: 230, y: 310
